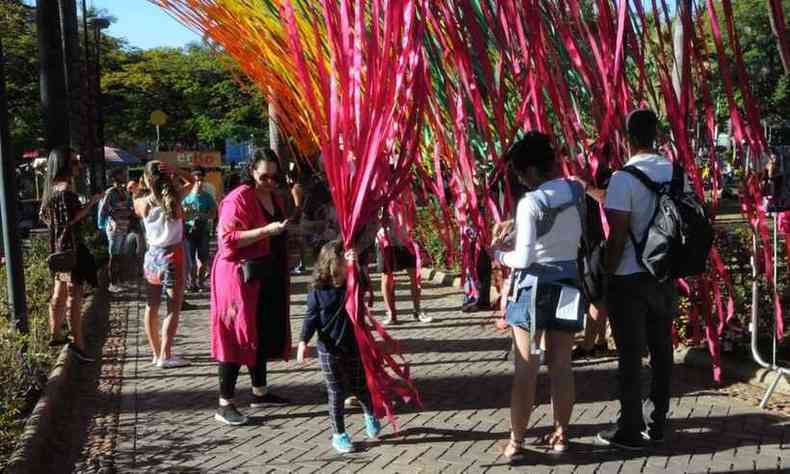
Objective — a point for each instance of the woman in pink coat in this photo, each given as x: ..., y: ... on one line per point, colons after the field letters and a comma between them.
x: 249, y: 287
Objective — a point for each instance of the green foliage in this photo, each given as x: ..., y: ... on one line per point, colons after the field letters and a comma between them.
x: 20, y: 54
x: 760, y: 54
x: 735, y: 246
x: 205, y: 99
x: 23, y: 374
x: 426, y: 231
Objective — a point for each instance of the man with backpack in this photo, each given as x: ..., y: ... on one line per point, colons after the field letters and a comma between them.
x: 649, y: 208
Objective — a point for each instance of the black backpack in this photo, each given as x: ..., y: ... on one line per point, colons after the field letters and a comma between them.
x: 679, y: 236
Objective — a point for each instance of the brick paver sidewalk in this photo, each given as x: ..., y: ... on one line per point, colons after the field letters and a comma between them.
x: 164, y: 418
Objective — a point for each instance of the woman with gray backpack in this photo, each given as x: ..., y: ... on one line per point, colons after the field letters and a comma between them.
x: 545, y: 300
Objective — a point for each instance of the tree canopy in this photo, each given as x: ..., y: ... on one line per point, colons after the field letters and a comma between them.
x: 202, y: 93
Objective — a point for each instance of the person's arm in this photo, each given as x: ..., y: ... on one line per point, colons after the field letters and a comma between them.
x: 619, y: 232
x: 85, y: 210
x: 523, y: 252
x: 233, y: 219
x: 618, y: 208
x: 309, y: 326
x: 312, y: 317
x: 141, y: 206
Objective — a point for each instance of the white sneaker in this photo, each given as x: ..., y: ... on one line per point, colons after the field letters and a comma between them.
x: 422, y: 317
x: 114, y: 289
x: 154, y: 361
x: 172, y: 363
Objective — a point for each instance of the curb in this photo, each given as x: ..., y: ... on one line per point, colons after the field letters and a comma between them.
x: 35, y: 447
x: 747, y: 372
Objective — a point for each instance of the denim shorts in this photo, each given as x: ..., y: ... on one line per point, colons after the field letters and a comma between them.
x: 117, y: 243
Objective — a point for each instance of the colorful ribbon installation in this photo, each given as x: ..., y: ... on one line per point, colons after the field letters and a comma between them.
x: 478, y: 72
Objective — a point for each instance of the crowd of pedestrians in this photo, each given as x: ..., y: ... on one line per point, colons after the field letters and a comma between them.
x: 170, y: 213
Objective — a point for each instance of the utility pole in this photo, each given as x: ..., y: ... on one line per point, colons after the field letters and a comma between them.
x: 15, y: 275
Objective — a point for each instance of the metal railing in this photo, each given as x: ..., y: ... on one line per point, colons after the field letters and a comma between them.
x: 781, y: 372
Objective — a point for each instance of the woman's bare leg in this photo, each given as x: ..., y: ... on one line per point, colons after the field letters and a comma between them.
x: 170, y: 325
x: 75, y: 314
x: 154, y: 299
x: 563, y: 394
x: 57, y: 308
x: 522, y: 395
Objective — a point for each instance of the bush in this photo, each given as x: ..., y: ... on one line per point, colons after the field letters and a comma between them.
x: 735, y: 247
x: 24, y: 373
x: 427, y: 233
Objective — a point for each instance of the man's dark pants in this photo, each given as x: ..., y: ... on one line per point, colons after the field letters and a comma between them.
x: 641, y: 312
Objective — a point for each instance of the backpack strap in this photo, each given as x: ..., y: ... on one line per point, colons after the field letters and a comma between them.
x: 548, y: 214
x: 643, y: 178
x: 678, y: 179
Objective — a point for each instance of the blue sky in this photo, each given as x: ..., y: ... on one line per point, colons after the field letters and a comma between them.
x: 144, y: 24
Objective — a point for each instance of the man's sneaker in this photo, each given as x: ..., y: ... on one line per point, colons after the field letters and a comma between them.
x: 653, y: 436
x: 80, y: 355
x: 230, y: 416
x: 342, y: 443
x: 372, y: 426
x: 114, y: 289
x: 269, y: 399
x: 422, y: 317
x: 614, y: 437
x: 351, y: 402
x: 298, y: 270
x: 172, y: 363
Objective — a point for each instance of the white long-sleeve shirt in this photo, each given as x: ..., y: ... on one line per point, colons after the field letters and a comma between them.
x: 561, y: 243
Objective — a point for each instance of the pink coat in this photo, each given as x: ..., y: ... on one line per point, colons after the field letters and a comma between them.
x: 234, y: 328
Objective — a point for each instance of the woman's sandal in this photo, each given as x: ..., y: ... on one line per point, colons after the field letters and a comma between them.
x: 556, y: 441
x: 514, y: 451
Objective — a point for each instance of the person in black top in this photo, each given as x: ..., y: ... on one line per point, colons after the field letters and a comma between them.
x: 338, y: 352
x: 63, y: 213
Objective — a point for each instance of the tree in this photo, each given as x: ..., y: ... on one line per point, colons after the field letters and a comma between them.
x: 206, y: 100
x: 18, y: 30
x: 770, y: 86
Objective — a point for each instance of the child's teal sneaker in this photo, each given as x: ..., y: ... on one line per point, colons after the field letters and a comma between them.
x: 372, y: 426
x: 342, y: 443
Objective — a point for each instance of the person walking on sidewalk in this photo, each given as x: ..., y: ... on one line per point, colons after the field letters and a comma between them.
x: 163, y: 219
x: 338, y: 353
x: 393, y: 256
x: 116, y: 210
x: 62, y: 212
x: 641, y: 309
x: 544, y: 300
x: 249, y: 287
x: 200, y: 208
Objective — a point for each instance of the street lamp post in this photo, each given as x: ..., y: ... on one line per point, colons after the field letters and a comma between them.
x: 15, y: 276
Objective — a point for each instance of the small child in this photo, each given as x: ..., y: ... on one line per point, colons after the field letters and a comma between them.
x: 338, y: 353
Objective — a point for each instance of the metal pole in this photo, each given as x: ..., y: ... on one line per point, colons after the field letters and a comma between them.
x: 8, y: 207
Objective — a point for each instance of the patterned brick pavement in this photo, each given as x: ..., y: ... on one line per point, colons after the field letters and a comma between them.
x: 163, y: 420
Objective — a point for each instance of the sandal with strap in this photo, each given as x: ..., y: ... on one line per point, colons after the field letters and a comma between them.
x: 514, y: 451
x: 556, y: 441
